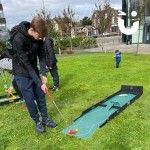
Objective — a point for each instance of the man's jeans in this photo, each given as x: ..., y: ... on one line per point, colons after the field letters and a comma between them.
x: 33, y: 96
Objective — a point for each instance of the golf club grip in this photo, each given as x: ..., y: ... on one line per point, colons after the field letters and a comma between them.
x: 49, y: 95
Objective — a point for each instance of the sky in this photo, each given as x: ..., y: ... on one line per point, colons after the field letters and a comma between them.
x: 16, y: 11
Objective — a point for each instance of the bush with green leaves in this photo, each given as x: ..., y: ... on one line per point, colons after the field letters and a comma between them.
x: 64, y: 43
x: 57, y: 45
x: 76, y: 41
x: 87, y: 42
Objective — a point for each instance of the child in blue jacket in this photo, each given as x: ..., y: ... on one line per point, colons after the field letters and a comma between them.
x: 117, y: 57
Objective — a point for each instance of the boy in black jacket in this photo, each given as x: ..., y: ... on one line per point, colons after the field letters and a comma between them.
x: 27, y: 46
x: 51, y: 61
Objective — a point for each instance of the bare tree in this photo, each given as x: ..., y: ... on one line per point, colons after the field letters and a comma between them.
x: 67, y: 22
x: 140, y: 9
x: 104, y: 14
x: 47, y: 17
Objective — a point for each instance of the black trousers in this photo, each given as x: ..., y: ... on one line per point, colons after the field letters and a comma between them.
x: 54, y: 74
x: 17, y: 89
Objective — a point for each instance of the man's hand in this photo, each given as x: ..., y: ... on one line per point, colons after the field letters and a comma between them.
x: 44, y: 88
x: 9, y: 91
x: 44, y: 79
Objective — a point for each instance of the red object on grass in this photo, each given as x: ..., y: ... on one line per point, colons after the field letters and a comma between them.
x: 72, y: 132
x: 23, y: 107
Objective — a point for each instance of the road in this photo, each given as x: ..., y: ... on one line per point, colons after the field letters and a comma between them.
x: 109, y: 40
x: 115, y: 42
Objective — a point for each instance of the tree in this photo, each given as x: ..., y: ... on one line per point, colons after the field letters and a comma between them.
x: 47, y: 17
x: 140, y: 9
x: 67, y: 22
x: 86, y: 21
x: 104, y: 14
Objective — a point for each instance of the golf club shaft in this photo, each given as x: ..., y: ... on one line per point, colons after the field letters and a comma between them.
x: 51, y: 98
x: 59, y: 112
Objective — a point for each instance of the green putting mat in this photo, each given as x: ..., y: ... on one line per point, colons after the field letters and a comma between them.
x: 87, y: 123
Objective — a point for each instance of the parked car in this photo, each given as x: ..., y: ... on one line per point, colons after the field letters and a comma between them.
x: 106, y: 34
x: 95, y: 35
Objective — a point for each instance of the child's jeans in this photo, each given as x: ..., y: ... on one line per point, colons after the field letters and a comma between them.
x: 117, y: 63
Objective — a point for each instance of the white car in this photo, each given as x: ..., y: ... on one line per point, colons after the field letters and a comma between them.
x: 106, y: 34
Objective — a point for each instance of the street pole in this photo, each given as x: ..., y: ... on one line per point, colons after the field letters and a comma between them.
x: 44, y: 9
x: 129, y: 15
x: 43, y: 5
x: 128, y: 19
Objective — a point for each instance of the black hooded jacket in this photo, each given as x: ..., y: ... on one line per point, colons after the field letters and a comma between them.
x: 26, y: 50
x: 49, y: 50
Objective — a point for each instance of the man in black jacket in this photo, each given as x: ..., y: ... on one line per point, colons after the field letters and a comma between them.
x: 51, y: 61
x: 27, y: 47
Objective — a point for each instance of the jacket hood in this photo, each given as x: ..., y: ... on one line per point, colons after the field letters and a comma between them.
x: 22, y: 28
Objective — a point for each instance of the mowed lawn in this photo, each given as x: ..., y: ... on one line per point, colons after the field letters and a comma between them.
x: 84, y: 81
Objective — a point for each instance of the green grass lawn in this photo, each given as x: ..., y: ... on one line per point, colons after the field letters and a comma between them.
x: 84, y: 81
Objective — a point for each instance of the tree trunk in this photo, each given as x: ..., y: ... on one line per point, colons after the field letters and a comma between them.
x: 102, y: 43
x: 137, y: 49
x: 70, y: 44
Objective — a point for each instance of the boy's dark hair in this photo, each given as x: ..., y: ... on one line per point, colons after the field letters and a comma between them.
x: 116, y: 51
x: 39, y: 25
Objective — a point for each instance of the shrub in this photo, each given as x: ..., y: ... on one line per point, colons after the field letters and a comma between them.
x: 87, y: 42
x: 76, y: 41
x: 64, y: 43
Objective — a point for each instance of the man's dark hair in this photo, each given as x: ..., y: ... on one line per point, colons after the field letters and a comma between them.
x: 39, y: 25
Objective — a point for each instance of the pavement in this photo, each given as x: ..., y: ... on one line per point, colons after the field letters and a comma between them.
x: 114, y: 45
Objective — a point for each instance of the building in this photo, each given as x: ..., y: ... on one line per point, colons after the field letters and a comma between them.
x: 114, y: 23
x: 3, y: 29
x: 57, y: 27
x: 142, y: 9
x: 84, y: 31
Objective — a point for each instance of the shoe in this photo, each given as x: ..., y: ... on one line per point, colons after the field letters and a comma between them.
x: 55, y: 88
x: 39, y: 127
x: 50, y: 88
x: 48, y: 123
x: 20, y: 101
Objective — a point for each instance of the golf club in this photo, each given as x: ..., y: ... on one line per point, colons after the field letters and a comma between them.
x: 52, y: 100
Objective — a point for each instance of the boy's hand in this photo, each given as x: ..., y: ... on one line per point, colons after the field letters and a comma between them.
x: 44, y: 79
x: 9, y: 91
x: 44, y: 88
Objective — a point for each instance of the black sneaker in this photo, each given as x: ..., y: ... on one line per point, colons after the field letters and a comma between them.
x: 51, y: 87
x: 55, y: 88
x: 49, y: 123
x: 20, y: 101
x: 40, y: 128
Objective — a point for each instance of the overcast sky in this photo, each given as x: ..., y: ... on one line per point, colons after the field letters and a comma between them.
x: 16, y: 11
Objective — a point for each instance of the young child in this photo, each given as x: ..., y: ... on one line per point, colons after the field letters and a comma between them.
x: 118, y: 58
